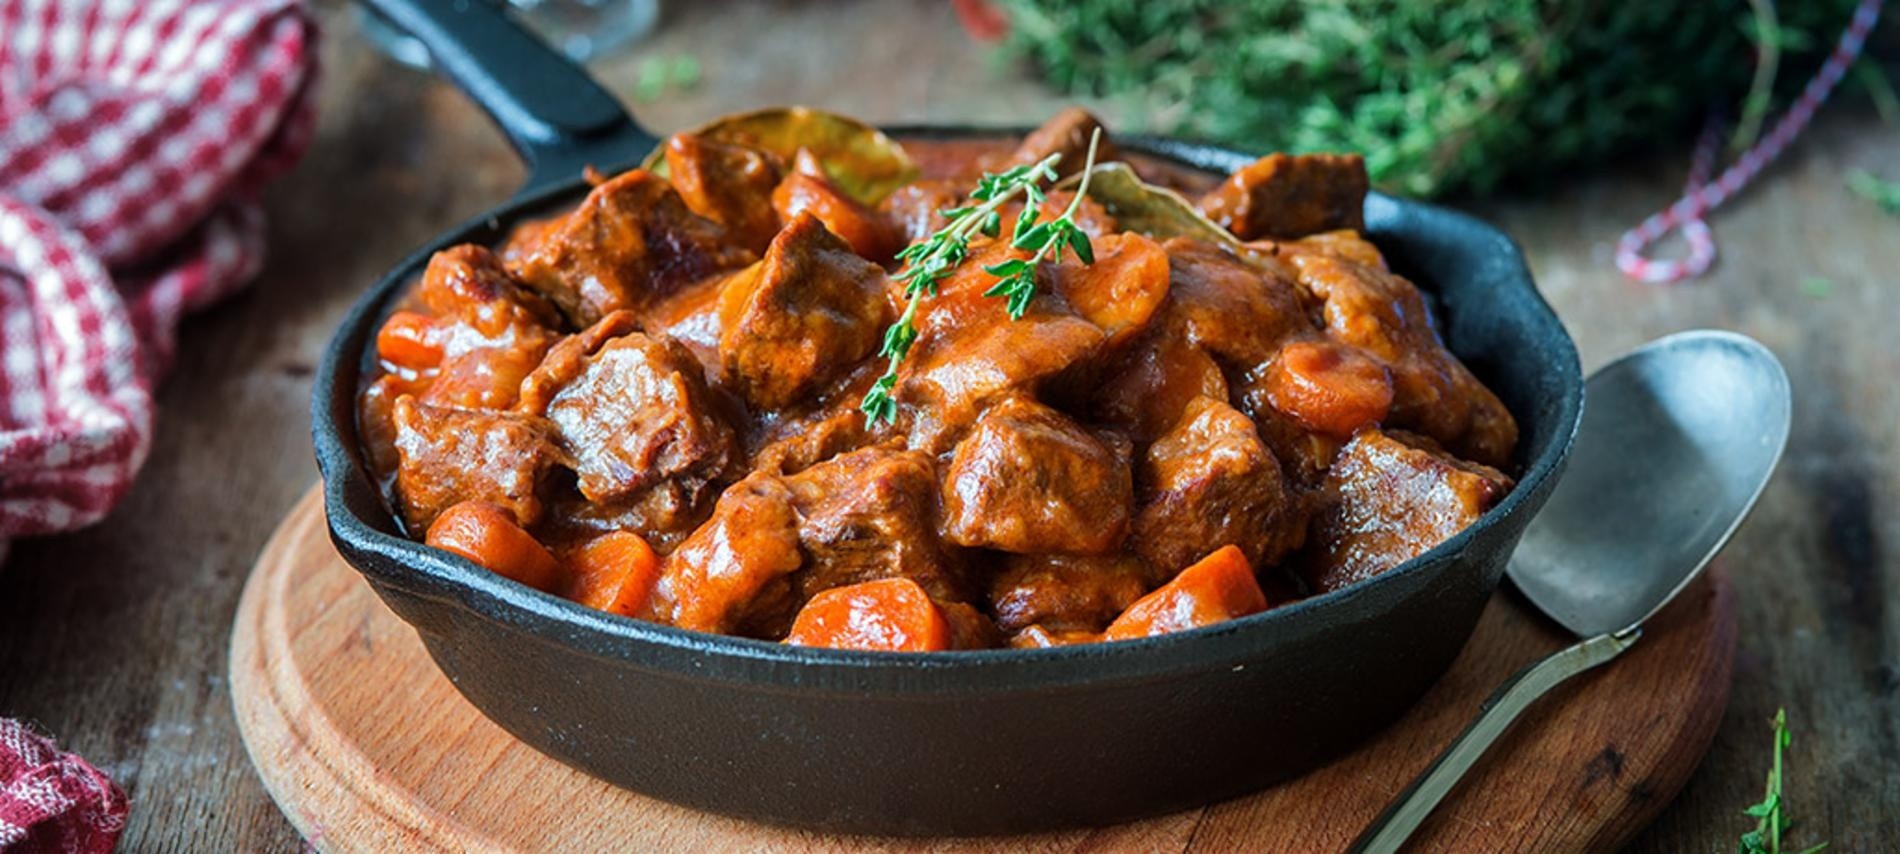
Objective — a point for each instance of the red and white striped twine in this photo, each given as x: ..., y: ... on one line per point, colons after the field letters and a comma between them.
x: 1702, y: 196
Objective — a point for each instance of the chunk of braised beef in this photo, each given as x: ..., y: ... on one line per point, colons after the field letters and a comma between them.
x: 728, y: 183
x: 914, y: 210
x: 1029, y: 480
x: 375, y: 420
x: 1291, y: 195
x: 1303, y: 454
x: 1344, y: 243
x: 1066, y: 133
x: 733, y: 574
x: 492, y: 331
x: 691, y: 317
x: 1240, y: 313
x: 1153, y: 384
x: 631, y: 243
x: 1433, y: 393
x: 1208, y: 482
x: 1390, y: 500
x: 446, y: 455
x: 634, y: 412
x: 969, y: 352
x: 803, y: 437
x: 809, y: 311
x: 869, y: 514
x: 1066, y: 593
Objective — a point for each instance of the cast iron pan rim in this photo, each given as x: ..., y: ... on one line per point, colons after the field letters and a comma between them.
x: 449, y: 578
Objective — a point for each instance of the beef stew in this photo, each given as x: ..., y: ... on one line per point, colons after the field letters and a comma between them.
x: 650, y: 405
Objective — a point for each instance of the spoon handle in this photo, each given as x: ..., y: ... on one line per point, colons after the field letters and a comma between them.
x: 1409, y: 809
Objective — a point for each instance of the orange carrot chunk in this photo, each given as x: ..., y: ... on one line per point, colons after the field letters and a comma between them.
x: 409, y: 340
x: 1217, y: 588
x: 489, y: 535
x: 1329, y: 387
x: 613, y: 572
x: 887, y: 615
x: 869, y: 235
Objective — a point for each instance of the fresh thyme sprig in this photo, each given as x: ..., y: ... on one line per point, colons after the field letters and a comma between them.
x: 1770, y: 819
x: 1016, y: 277
x: 928, y: 261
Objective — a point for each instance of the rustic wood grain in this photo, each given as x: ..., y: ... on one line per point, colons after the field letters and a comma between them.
x: 367, y: 747
x: 113, y: 639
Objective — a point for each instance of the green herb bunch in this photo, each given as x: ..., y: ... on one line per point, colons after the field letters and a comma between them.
x: 1438, y: 96
x: 928, y: 261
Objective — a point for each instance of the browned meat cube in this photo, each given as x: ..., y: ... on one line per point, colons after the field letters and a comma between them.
x: 492, y: 330
x: 812, y: 309
x: 1211, y: 482
x: 663, y: 515
x: 631, y: 243
x: 1303, y: 454
x: 1344, y: 243
x: 969, y: 352
x: 446, y: 456
x: 1066, y: 593
x: 806, y: 436
x: 691, y: 317
x: 1238, y: 312
x: 1066, y: 133
x: 1029, y: 480
x: 1291, y: 195
x: 872, y: 514
x: 733, y: 575
x: 795, y: 445
x: 727, y: 183
x: 1432, y: 392
x: 913, y: 210
x: 467, y: 284
x: 634, y: 413
x: 1155, y: 382
x: 1391, y: 502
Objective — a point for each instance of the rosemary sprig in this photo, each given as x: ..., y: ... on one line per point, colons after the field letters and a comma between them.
x: 1770, y: 819
x: 928, y: 261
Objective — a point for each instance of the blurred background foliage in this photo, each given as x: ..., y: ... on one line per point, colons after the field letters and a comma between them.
x: 1439, y: 96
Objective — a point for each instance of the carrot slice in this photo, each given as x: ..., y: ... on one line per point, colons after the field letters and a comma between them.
x: 489, y: 535
x: 1329, y: 387
x: 409, y: 340
x: 888, y: 615
x: 1217, y: 588
x: 869, y: 235
x: 613, y: 572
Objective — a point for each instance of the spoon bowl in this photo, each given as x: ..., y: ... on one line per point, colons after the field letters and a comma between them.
x: 1677, y: 441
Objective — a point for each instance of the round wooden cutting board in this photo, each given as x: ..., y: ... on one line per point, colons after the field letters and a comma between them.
x: 366, y: 746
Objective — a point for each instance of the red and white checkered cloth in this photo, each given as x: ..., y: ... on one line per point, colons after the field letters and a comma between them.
x: 134, y: 138
x: 53, y: 801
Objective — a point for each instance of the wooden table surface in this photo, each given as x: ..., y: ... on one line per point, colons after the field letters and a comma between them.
x: 114, y: 639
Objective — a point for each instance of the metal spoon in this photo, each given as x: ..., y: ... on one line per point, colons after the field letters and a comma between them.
x: 1678, y: 439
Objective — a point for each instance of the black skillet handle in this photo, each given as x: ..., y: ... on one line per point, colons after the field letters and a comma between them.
x: 558, y: 119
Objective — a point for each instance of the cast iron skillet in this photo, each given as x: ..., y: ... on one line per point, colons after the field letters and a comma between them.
x: 942, y: 743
